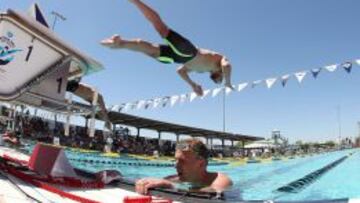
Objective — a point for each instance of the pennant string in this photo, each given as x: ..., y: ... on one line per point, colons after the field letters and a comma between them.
x: 172, y: 100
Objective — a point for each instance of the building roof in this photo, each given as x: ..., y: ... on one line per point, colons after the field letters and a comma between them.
x: 139, y: 122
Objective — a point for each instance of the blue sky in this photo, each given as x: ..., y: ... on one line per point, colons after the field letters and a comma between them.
x: 262, y: 39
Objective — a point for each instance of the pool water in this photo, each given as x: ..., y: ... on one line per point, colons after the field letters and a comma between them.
x: 257, y: 181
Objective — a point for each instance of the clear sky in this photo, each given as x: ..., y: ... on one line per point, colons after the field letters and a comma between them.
x: 262, y: 39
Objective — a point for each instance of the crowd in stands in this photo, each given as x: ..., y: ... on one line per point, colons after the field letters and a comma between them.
x: 121, y: 141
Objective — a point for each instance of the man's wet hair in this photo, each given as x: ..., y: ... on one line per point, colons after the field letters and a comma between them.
x: 194, y: 145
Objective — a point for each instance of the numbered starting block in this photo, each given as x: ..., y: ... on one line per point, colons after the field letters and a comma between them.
x: 35, y: 65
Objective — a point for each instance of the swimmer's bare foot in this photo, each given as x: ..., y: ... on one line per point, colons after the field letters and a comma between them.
x: 113, y: 42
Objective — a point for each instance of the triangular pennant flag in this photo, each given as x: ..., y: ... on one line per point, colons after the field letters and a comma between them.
x: 193, y: 95
x: 134, y: 105
x: 270, y: 82
x: 255, y: 83
x: 112, y: 108
x: 127, y: 106
x: 38, y: 15
x: 205, y: 93
x: 121, y: 107
x: 315, y: 72
x: 347, y: 66
x: 165, y: 101
x: 156, y: 102
x: 300, y: 76
x: 183, y: 98
x: 331, y: 68
x: 148, y: 103
x: 216, y: 91
x: 174, y: 99
x: 284, y: 80
x: 357, y: 62
x: 140, y: 104
x: 228, y: 90
x: 242, y: 86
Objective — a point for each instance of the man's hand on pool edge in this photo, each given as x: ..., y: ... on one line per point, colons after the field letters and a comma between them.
x: 143, y: 185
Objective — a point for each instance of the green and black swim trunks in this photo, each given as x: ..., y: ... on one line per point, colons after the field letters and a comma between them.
x: 178, y: 49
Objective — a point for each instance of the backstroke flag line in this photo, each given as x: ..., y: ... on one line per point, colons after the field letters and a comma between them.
x: 269, y: 83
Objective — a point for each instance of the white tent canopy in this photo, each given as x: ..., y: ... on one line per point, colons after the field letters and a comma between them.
x: 263, y: 144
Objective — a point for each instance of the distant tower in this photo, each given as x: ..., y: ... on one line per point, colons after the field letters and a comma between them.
x: 275, y: 134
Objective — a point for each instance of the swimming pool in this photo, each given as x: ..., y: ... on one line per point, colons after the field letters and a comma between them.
x: 257, y: 181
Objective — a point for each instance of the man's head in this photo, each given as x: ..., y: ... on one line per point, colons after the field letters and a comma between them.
x: 191, y: 158
x: 217, y: 77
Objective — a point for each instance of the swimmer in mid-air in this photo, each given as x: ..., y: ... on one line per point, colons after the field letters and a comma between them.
x: 177, y: 49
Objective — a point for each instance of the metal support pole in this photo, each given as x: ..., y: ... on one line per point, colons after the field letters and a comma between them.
x: 93, y: 113
x: 56, y: 16
x: 224, y: 110
x: 68, y: 114
x: 159, y: 138
x: 138, y: 133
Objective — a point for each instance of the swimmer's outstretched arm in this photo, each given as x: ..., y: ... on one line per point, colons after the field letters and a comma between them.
x: 183, y: 72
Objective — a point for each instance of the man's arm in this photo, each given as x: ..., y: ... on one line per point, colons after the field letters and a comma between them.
x: 142, y: 186
x: 183, y: 72
x: 220, y: 184
x: 226, y: 69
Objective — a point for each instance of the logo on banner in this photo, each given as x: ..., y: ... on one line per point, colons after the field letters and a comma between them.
x: 7, y: 49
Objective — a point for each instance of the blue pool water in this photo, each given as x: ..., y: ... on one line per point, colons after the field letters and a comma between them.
x: 258, y: 181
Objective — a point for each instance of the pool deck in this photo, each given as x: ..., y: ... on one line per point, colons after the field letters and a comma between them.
x: 14, y: 189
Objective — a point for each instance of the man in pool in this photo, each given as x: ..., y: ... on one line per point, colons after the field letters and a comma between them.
x: 191, y: 158
x: 177, y: 49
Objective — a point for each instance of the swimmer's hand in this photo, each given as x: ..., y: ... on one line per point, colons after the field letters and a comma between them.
x: 197, y: 89
x: 112, y: 42
x: 142, y: 186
